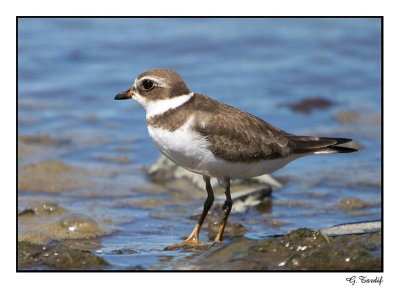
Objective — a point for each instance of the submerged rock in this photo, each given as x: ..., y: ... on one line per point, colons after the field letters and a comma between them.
x: 306, y: 105
x: 42, y: 140
x: 347, y: 116
x: 123, y: 251
x: 51, y: 177
x: 121, y: 159
x: 351, y: 204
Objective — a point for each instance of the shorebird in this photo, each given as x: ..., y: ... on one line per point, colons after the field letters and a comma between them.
x: 213, y: 139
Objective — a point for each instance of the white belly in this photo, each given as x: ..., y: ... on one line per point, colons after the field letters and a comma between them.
x: 191, y: 151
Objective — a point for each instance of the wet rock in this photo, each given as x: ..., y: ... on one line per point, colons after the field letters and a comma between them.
x: 32, y: 222
x: 28, y: 254
x: 76, y: 226
x: 46, y: 209
x: 351, y: 204
x: 93, y: 245
x: 26, y: 212
x: 49, y: 209
x: 60, y: 257
x: 306, y: 105
x: 50, y: 223
x: 232, y: 229
x: 51, y: 177
x: 36, y: 236
x: 301, y: 249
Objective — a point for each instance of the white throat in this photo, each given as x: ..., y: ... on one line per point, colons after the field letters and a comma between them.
x: 162, y: 105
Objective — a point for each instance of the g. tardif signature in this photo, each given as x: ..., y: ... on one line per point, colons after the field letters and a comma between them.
x: 364, y: 279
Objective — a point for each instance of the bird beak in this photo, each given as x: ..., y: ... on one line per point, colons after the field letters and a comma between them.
x: 127, y: 94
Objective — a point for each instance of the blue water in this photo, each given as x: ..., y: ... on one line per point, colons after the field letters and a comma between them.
x: 69, y: 71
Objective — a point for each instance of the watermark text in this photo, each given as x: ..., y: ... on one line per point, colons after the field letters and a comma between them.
x: 364, y: 280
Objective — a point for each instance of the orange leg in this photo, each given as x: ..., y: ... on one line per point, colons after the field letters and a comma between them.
x: 193, y: 239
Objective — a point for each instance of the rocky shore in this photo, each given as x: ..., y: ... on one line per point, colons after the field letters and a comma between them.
x: 55, y: 235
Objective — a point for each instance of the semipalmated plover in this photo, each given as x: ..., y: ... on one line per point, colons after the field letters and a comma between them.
x: 213, y: 139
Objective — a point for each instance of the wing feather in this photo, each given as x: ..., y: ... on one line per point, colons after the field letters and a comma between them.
x: 236, y: 135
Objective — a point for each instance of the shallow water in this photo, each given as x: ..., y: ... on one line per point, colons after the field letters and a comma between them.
x: 69, y: 71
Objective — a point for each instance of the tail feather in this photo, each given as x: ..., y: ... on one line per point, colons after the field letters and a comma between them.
x: 320, y: 145
x: 345, y: 145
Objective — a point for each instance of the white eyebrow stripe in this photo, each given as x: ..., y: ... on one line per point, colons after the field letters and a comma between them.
x: 159, y: 81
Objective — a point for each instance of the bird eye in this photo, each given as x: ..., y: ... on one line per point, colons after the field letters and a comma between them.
x: 148, y: 84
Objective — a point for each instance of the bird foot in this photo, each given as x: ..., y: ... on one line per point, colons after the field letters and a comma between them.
x: 190, y: 244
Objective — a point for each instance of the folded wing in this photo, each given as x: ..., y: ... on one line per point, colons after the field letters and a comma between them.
x: 240, y: 136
